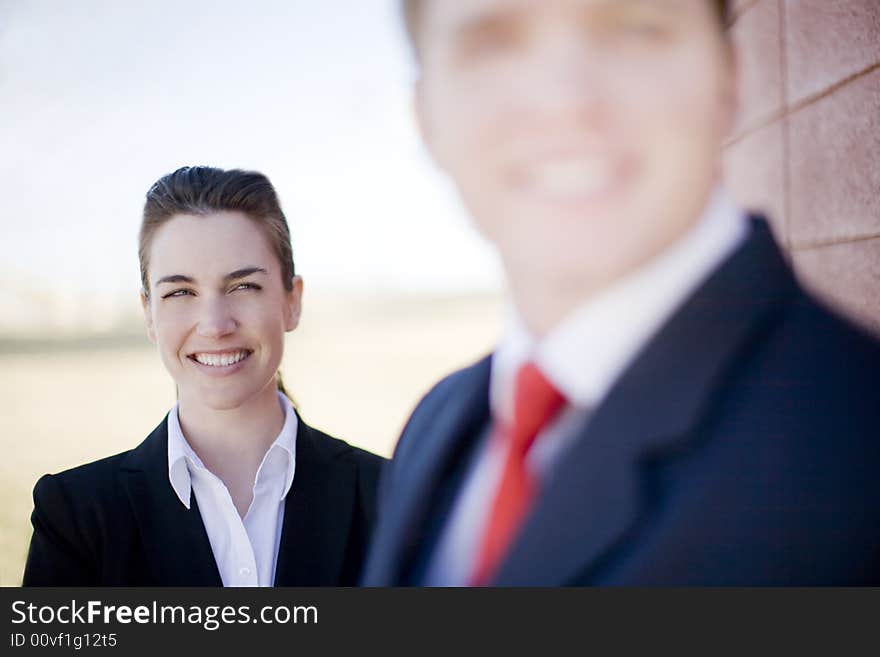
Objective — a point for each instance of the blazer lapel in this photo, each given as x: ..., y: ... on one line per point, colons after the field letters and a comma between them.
x: 317, y: 515
x: 443, y: 436
x: 594, y: 498
x: 175, y: 541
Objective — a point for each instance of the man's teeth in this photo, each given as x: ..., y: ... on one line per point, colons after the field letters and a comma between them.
x: 576, y: 177
x: 221, y: 360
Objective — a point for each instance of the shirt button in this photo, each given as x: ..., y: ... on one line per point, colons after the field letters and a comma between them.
x: 244, y: 572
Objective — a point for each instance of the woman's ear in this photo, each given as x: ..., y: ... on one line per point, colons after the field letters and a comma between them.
x: 294, y: 304
x: 148, y: 317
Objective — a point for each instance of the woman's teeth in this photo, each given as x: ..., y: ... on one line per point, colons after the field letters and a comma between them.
x: 221, y: 360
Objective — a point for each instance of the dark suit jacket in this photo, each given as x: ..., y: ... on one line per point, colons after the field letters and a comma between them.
x: 118, y: 522
x: 741, y: 447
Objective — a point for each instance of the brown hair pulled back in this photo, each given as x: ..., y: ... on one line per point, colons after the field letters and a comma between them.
x: 202, y: 190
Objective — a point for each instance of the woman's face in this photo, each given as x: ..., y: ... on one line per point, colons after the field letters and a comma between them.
x: 217, y: 308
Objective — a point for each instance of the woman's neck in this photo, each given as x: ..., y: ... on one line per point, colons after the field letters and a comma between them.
x: 232, y: 442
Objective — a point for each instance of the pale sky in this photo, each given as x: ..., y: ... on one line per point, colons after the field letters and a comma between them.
x: 100, y: 98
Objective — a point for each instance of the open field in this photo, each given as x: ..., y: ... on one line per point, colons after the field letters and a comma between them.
x: 356, y: 369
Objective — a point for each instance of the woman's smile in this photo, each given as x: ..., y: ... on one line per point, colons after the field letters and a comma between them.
x: 220, y: 363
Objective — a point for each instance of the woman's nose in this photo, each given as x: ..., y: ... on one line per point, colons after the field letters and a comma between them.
x: 216, y: 319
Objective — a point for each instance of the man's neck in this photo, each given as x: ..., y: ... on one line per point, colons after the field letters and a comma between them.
x: 545, y: 295
x: 543, y: 303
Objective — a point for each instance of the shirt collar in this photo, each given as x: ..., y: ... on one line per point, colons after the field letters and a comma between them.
x: 583, y: 355
x: 182, y: 458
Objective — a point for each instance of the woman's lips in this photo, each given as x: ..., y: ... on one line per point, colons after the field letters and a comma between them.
x: 220, y: 363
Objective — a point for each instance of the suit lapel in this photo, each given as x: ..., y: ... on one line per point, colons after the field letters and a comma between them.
x: 594, y: 497
x: 175, y: 541
x: 317, y: 515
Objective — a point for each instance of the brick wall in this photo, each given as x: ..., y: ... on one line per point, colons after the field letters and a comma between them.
x: 806, y: 149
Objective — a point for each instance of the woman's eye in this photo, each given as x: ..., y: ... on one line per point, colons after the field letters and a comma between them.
x: 177, y: 293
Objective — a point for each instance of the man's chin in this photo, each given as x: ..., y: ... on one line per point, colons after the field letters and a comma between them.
x: 585, y: 257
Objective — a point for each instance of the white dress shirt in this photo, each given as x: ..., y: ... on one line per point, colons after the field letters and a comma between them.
x: 582, y: 356
x: 245, y: 549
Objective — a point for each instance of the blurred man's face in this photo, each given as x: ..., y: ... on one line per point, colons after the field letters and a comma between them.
x: 583, y: 135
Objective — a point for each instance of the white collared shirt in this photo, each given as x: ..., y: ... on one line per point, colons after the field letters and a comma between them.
x: 582, y: 356
x: 245, y: 549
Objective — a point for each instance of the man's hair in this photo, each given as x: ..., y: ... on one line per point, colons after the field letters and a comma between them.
x: 412, y: 12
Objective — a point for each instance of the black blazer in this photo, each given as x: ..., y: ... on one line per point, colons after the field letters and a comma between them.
x: 118, y: 522
x: 741, y: 447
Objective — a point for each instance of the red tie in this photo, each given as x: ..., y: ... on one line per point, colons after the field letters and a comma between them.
x: 535, y: 403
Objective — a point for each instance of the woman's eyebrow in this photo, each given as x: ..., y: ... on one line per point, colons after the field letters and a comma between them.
x: 243, y: 273
x: 231, y: 276
x: 176, y: 278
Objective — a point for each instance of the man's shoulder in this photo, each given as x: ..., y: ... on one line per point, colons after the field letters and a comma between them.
x: 824, y: 339
x: 447, y: 390
x: 450, y: 384
x: 449, y: 387
x: 788, y: 328
x: 811, y: 377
